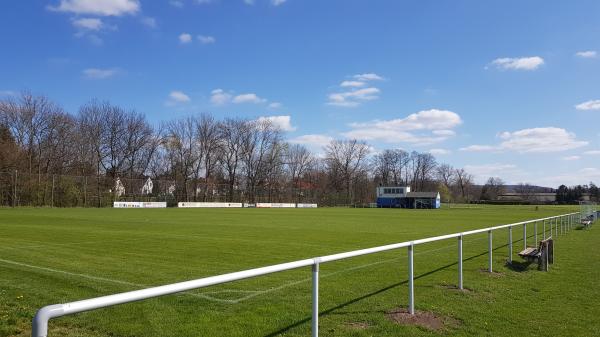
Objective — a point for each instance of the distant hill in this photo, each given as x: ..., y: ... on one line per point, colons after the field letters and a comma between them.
x: 535, y: 189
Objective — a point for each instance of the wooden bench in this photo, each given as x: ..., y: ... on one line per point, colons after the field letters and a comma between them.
x: 587, y: 221
x: 543, y: 254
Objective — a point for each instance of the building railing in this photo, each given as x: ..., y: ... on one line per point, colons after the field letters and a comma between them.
x: 562, y: 223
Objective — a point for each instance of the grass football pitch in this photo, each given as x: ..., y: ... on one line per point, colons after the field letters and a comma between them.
x: 50, y: 256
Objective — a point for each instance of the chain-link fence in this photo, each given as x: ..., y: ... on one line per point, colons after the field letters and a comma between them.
x: 41, y: 190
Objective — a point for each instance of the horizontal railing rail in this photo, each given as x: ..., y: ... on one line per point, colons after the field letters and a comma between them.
x: 42, y: 317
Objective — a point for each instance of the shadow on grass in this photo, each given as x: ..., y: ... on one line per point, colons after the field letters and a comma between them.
x: 379, y: 291
x: 518, y: 266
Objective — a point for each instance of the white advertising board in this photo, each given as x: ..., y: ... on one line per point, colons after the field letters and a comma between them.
x: 307, y: 205
x: 209, y: 205
x: 282, y: 205
x: 137, y: 204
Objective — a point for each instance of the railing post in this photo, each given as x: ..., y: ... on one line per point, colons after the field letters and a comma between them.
x: 460, y: 262
x: 510, y: 244
x: 524, y: 236
x: 544, y: 236
x: 411, y: 285
x: 315, y: 299
x: 490, y: 248
x: 535, y: 230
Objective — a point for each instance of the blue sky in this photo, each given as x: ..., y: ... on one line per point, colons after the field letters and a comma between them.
x: 509, y: 89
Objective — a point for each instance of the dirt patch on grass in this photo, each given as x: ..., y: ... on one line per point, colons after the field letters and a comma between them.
x: 455, y: 288
x: 358, y: 325
x: 424, y: 319
x: 492, y: 274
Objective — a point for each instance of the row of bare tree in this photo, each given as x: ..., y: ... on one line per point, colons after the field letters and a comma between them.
x: 252, y: 156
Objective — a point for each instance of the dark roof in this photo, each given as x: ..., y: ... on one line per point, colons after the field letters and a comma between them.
x: 432, y: 195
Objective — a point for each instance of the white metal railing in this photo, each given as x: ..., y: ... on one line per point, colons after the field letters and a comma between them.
x: 562, y: 222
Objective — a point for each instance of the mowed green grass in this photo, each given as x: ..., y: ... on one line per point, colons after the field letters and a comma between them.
x: 50, y: 256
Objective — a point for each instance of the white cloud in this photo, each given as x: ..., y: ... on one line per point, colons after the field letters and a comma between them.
x: 571, y: 158
x: 588, y: 54
x: 148, y: 22
x: 439, y: 152
x: 94, y: 24
x: 275, y: 105
x: 352, y: 84
x: 535, y: 140
x: 185, y: 38
x: 448, y: 133
x: 278, y: 2
x: 522, y: 63
x: 7, y: 93
x: 367, y: 77
x: 248, y: 98
x: 541, y: 140
x: 592, y: 153
x: 589, y: 105
x: 99, y: 74
x: 313, y: 141
x: 353, y: 98
x: 204, y: 39
x: 220, y: 97
x: 176, y: 3
x: 179, y: 97
x: 424, y: 127
x: 583, y: 176
x: 249, y: 2
x: 98, y: 7
x: 353, y: 93
x: 283, y: 122
x: 478, y: 148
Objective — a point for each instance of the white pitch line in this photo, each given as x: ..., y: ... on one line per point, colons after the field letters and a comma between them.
x: 204, y: 295
x: 291, y: 284
x: 104, y: 279
x: 49, y: 244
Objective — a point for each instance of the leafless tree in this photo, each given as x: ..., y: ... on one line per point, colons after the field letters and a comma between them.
x: 525, y: 190
x: 262, y: 143
x: 209, y: 149
x: 232, y: 133
x: 181, y: 145
x: 493, y: 187
x: 28, y: 118
x: 445, y: 175
x: 464, y: 182
x: 390, y: 165
x: 298, y: 161
x: 345, y: 160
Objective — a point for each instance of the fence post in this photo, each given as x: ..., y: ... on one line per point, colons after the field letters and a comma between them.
x: 315, y: 299
x: 52, y: 193
x: 524, y: 236
x: 84, y: 191
x: 15, y: 188
x: 535, y: 229
x: 490, y: 248
x: 544, y: 228
x: 510, y: 244
x: 460, y: 262
x: 411, y: 285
